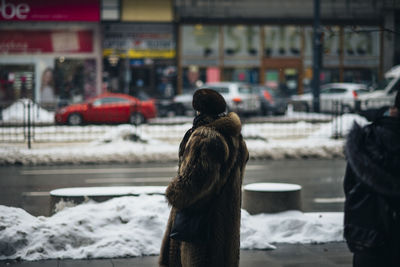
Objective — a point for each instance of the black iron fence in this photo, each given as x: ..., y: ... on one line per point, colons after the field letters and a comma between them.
x: 28, y: 122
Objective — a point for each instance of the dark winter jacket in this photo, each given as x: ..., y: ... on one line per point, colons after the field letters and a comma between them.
x: 372, y: 186
x: 211, y: 156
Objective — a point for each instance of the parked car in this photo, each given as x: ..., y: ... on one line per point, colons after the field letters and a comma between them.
x: 107, y: 108
x: 163, y: 105
x: 239, y: 97
x: 272, y: 101
x: 383, y: 94
x: 334, y: 97
x: 182, y: 104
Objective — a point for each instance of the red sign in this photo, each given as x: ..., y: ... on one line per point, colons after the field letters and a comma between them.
x: 53, y: 10
x: 213, y: 75
x: 46, y: 41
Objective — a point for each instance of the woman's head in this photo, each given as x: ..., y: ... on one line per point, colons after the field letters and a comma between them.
x: 208, y: 101
x: 47, y: 77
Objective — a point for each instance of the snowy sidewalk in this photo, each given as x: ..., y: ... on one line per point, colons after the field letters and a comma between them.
x: 293, y: 255
x: 133, y: 227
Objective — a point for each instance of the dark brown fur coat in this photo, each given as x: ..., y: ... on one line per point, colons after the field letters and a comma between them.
x: 210, y: 156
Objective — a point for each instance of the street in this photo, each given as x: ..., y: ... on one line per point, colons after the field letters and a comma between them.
x: 28, y: 187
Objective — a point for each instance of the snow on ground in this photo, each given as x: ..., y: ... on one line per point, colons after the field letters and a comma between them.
x: 18, y: 112
x: 151, y: 143
x: 134, y: 226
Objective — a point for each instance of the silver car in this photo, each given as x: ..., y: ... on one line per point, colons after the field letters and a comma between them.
x: 239, y: 97
x: 334, y: 96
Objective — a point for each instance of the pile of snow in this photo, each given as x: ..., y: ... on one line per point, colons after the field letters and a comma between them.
x: 18, y: 112
x: 134, y: 226
x: 258, y: 231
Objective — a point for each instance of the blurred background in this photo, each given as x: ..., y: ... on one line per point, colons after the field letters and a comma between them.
x: 69, y: 51
x: 273, y: 56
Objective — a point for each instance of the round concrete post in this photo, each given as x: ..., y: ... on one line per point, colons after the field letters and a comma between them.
x: 271, y: 197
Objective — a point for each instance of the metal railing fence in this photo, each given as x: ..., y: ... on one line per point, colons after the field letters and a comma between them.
x: 27, y: 122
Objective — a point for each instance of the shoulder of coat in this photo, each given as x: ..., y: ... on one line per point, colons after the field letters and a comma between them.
x: 228, y: 125
x: 209, y: 138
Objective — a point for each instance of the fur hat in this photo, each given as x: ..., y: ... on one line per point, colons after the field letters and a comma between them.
x: 208, y: 101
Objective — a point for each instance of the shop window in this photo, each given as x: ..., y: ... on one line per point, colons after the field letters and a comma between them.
x: 165, y: 81
x: 365, y: 76
x: 241, y: 41
x: 141, y: 80
x: 361, y: 46
x: 248, y: 75
x: 200, y: 45
x: 193, y: 78
x: 16, y: 81
x: 282, y: 41
x: 329, y: 76
x: 75, y: 80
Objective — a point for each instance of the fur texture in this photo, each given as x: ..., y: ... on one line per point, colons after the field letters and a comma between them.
x: 214, y: 154
x: 372, y: 190
x: 373, y: 153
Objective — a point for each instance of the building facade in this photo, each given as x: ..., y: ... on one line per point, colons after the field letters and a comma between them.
x: 50, y: 53
x: 71, y: 51
x: 271, y: 42
x: 255, y: 41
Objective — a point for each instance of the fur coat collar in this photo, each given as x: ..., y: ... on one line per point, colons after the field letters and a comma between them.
x: 373, y: 152
x: 227, y: 125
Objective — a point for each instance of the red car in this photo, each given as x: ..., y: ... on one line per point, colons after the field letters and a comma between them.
x: 107, y: 108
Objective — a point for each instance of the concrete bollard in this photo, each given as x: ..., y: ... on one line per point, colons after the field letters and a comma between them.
x: 271, y: 197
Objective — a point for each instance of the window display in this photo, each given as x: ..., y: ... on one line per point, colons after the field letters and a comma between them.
x: 247, y: 75
x: 200, y: 45
x: 282, y: 41
x: 16, y: 81
x: 361, y: 46
x: 241, y: 45
x: 75, y: 80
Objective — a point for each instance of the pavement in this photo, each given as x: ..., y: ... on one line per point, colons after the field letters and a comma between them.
x: 285, y: 255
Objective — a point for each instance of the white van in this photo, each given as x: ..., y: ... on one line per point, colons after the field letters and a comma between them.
x: 384, y: 94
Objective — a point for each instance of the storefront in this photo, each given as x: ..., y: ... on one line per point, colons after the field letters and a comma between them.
x: 139, y: 57
x: 278, y: 56
x: 50, y: 53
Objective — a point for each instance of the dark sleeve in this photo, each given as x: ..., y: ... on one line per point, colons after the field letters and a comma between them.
x: 349, y: 180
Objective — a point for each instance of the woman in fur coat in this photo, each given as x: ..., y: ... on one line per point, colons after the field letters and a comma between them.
x: 212, y: 159
x: 372, y: 190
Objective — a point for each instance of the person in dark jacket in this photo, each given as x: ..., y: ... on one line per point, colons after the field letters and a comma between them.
x: 212, y: 160
x: 372, y: 191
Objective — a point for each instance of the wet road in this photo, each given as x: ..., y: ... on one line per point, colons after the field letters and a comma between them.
x: 28, y: 187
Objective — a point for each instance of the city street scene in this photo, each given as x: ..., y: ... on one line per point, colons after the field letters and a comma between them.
x: 199, y: 133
